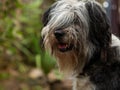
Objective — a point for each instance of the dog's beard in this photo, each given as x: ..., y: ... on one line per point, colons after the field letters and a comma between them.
x: 71, y: 51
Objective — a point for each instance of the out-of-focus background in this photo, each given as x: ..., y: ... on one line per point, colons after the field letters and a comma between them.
x: 23, y: 64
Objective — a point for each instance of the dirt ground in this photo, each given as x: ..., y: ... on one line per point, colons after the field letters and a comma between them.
x: 34, y: 79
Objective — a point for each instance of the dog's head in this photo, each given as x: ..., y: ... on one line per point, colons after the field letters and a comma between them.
x: 73, y: 30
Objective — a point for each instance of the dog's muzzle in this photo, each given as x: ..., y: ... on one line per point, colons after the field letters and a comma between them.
x: 62, y: 45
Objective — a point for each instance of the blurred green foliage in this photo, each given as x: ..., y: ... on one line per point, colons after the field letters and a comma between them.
x: 4, y: 76
x: 48, y: 63
x: 20, y: 26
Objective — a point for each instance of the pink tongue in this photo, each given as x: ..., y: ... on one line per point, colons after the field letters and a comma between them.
x: 62, y: 46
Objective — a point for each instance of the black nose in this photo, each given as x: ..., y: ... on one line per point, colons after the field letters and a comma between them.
x: 59, y: 33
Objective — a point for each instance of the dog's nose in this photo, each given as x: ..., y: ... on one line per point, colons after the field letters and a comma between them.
x: 59, y: 33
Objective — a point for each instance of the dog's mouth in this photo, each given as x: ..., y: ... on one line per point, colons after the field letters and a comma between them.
x: 64, y: 47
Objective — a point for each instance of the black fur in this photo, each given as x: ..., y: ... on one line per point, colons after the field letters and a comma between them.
x: 100, y: 33
x: 46, y: 16
x: 104, y: 75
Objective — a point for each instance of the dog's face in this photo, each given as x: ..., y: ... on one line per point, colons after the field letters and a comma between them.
x: 72, y: 32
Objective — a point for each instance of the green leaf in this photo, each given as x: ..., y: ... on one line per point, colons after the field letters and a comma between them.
x: 38, y: 60
x: 48, y: 63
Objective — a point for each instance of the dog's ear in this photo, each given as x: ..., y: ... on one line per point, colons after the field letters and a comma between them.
x: 46, y: 15
x: 99, y: 25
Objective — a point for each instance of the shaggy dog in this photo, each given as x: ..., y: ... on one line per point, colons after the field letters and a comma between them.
x: 78, y: 34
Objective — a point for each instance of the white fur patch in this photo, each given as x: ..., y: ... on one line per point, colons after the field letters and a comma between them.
x: 115, y: 41
x: 83, y: 83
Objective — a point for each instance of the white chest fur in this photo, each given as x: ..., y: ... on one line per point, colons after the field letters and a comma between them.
x: 83, y: 84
